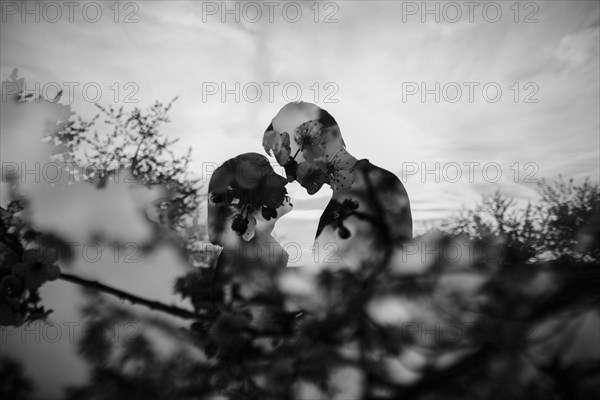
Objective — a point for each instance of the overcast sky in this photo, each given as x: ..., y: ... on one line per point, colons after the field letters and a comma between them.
x: 367, y: 65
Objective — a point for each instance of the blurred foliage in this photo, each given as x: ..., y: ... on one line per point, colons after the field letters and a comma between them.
x: 126, y: 362
x: 565, y: 221
x: 14, y: 384
x: 134, y: 155
x: 431, y: 323
x: 502, y: 303
x: 136, y: 144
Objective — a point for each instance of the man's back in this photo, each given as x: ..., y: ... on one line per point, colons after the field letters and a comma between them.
x: 349, y: 230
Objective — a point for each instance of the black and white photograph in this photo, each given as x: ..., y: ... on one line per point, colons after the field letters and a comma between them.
x: 300, y: 200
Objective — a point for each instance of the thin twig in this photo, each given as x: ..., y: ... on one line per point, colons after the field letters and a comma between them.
x: 154, y: 305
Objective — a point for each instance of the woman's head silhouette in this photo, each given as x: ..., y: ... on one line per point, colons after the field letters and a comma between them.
x: 246, y: 197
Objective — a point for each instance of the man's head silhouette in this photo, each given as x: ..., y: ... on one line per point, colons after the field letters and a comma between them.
x: 307, y: 141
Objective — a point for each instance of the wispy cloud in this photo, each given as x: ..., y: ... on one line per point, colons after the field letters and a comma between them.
x: 367, y: 56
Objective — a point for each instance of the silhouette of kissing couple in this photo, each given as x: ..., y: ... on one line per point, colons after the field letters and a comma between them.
x: 247, y: 197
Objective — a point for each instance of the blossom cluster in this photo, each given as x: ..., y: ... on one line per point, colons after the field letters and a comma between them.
x: 22, y: 273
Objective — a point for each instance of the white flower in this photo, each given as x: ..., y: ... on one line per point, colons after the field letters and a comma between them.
x: 389, y: 310
x: 337, y: 170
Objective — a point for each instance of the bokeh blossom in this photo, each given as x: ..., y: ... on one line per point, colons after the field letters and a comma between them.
x: 36, y: 269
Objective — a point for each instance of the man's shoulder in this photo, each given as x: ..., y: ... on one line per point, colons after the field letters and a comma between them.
x: 392, y: 196
x: 380, y: 177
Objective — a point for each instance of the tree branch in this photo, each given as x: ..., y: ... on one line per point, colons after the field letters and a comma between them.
x: 154, y: 305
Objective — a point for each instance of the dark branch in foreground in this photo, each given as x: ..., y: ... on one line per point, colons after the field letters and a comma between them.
x: 154, y: 305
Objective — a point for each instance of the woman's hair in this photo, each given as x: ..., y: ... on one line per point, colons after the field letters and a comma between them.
x: 239, y: 187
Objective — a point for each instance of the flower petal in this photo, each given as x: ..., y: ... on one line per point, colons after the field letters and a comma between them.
x: 279, y: 144
x: 52, y: 272
x: 273, y: 191
x: 312, y: 175
x: 250, y: 231
x: 283, y: 155
x: 313, y: 152
x: 269, y: 139
x: 308, y: 133
x: 34, y: 281
x: 10, y: 285
x: 31, y: 256
x: 20, y: 269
